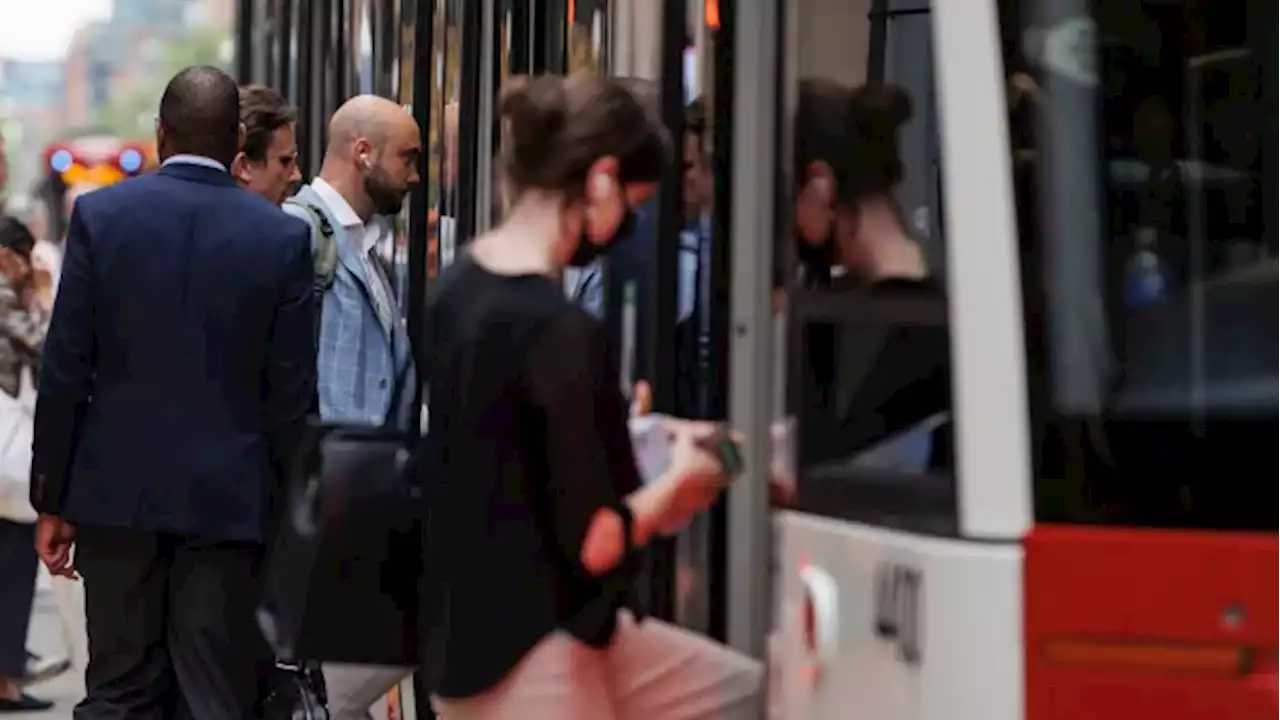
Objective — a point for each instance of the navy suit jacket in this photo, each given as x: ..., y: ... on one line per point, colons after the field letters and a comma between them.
x: 180, y: 363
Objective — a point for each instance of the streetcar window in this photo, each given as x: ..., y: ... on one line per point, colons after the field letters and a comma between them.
x: 1144, y: 144
x: 870, y: 362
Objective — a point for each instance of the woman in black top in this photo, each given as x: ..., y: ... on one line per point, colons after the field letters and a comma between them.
x: 536, y: 506
x: 847, y: 217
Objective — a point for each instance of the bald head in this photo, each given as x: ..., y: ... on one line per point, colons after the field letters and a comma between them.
x: 368, y: 117
x: 374, y: 144
x: 200, y: 115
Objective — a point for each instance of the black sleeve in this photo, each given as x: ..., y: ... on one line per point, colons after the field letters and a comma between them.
x: 589, y: 455
x: 290, y: 367
x: 909, y: 380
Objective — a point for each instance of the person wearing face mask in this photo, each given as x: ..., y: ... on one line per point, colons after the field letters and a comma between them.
x: 363, y: 351
x: 536, y: 508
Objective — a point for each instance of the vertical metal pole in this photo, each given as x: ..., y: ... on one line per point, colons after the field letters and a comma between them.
x: 662, y: 360
x: 488, y: 68
x: 415, y: 696
x: 419, y: 200
x: 519, y: 53
x: 284, y: 66
x: 756, y: 40
x: 245, y: 45
x: 342, y: 55
x: 472, y: 39
x: 550, y: 52
x: 266, y: 38
x: 305, y: 95
x: 719, y: 100
x: 659, y: 364
x: 878, y: 38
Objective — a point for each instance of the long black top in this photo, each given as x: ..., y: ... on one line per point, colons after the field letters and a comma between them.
x: 530, y: 426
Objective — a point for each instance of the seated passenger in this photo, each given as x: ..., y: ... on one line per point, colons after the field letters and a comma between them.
x: 537, y: 507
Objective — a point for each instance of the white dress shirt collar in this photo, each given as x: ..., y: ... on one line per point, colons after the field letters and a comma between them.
x: 367, y: 233
x: 201, y: 160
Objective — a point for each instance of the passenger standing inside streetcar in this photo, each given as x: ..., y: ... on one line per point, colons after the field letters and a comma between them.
x: 537, y: 508
x: 176, y: 378
x: 369, y: 166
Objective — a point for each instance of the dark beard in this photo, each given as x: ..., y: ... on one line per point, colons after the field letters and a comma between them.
x: 386, y: 200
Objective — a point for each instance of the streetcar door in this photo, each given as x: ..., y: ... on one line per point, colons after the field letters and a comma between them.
x: 899, y: 570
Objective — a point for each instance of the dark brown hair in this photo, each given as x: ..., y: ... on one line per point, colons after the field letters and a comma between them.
x: 876, y: 114
x: 557, y: 127
x: 16, y: 237
x: 263, y: 111
x: 853, y: 131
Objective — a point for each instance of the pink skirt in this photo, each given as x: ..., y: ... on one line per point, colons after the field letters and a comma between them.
x: 651, y: 671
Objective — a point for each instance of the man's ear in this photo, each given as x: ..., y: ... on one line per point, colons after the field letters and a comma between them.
x: 240, y: 169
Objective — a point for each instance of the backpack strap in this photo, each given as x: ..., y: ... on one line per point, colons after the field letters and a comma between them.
x: 324, y: 246
x: 324, y: 255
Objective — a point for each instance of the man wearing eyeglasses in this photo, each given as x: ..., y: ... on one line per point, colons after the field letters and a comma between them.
x: 268, y: 162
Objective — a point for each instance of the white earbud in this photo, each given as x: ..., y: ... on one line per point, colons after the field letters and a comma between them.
x: 601, y: 186
x: 365, y: 159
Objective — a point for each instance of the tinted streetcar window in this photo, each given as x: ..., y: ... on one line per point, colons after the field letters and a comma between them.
x: 1144, y: 140
x: 869, y: 369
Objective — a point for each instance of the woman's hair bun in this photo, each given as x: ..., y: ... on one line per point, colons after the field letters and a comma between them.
x: 879, y: 110
x: 536, y: 111
x: 557, y: 127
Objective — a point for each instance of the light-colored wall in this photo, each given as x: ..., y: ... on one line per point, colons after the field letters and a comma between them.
x: 828, y: 29
x: 637, y: 38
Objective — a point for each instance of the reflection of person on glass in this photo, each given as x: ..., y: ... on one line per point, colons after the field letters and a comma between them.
x: 538, y: 508
x: 440, y: 219
x: 850, y: 231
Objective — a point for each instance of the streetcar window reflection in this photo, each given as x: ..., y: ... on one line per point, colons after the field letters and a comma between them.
x: 1145, y: 146
x: 871, y: 362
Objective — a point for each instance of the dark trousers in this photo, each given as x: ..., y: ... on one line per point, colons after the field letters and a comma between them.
x: 18, y: 567
x: 171, y: 626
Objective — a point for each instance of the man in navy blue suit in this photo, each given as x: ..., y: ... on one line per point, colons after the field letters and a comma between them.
x: 177, y: 374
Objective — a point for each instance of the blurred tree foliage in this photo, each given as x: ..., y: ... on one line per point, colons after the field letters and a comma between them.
x: 132, y: 113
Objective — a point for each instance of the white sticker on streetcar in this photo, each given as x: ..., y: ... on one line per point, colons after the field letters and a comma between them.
x: 1070, y: 49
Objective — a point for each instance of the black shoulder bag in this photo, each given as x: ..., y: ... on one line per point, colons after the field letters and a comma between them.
x: 341, y: 581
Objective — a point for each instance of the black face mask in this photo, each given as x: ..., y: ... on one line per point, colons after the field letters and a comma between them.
x: 587, y: 252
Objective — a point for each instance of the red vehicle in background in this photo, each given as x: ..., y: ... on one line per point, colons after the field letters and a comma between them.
x: 85, y: 162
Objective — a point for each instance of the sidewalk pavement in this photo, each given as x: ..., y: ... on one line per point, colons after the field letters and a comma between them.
x: 45, y: 637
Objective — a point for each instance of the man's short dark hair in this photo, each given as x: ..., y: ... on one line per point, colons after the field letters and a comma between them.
x: 263, y: 111
x: 200, y: 113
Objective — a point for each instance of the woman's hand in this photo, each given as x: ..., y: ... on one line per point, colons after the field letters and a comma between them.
x: 695, y: 477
